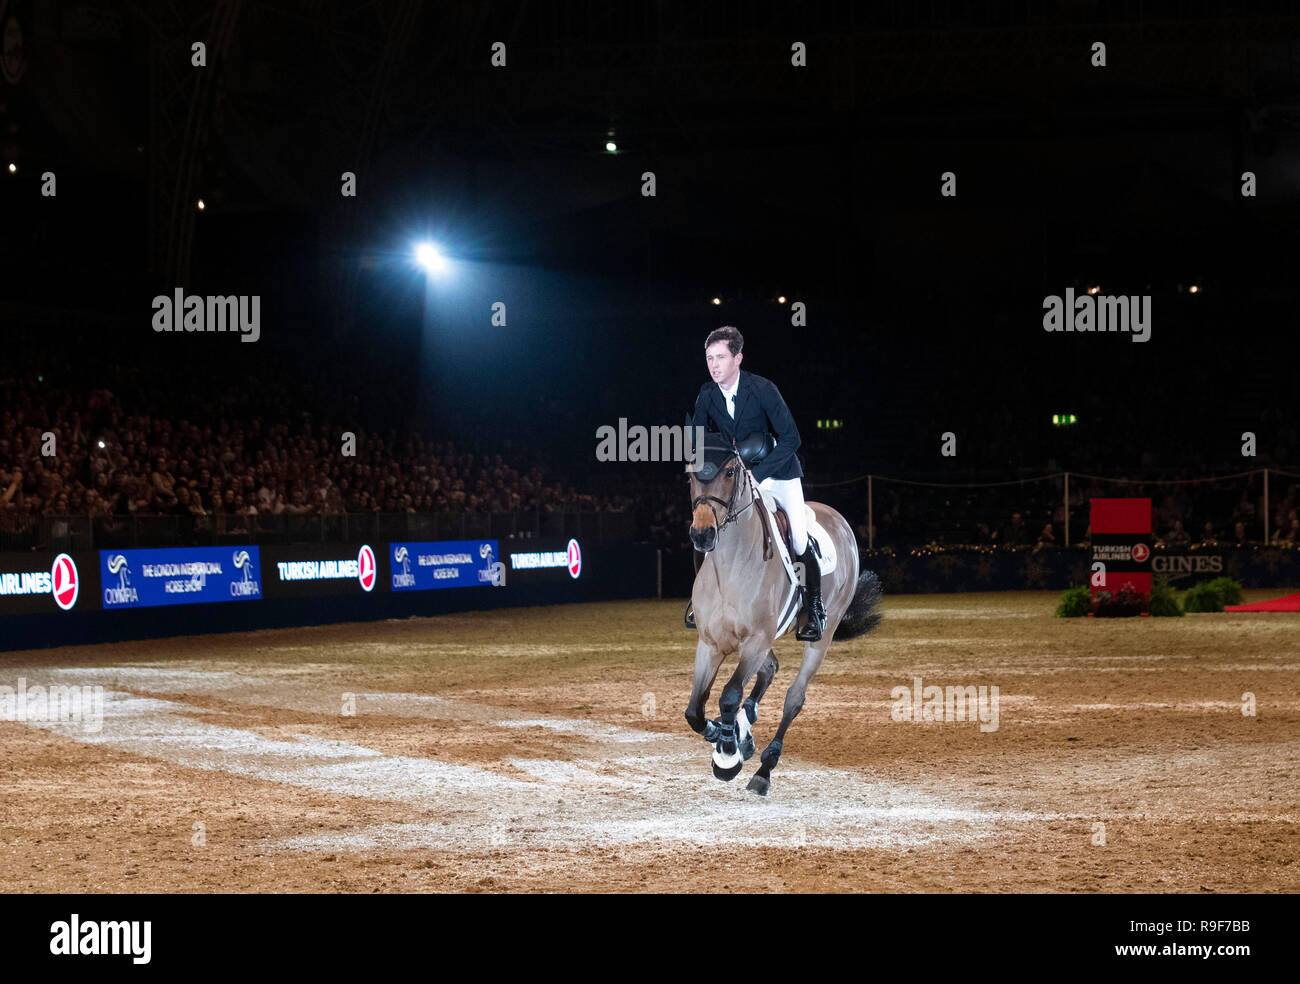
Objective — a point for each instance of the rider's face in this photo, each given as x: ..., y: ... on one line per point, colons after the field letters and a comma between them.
x: 723, y: 366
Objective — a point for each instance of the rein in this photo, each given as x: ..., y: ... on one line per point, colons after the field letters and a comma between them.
x: 731, y: 513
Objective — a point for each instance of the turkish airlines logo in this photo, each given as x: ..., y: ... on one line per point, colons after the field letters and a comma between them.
x: 575, y: 559
x: 1141, y: 552
x: 366, y: 567
x: 67, y: 582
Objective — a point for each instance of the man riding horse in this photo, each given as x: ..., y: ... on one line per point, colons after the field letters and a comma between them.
x: 740, y: 404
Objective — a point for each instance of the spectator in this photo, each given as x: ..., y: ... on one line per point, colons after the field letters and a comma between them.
x: 268, y: 497
x: 1014, y: 533
x: 1239, y: 534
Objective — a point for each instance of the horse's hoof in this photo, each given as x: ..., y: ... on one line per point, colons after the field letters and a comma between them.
x: 726, y: 775
x: 756, y: 785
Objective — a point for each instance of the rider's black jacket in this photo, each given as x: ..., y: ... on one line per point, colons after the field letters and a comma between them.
x: 759, y: 408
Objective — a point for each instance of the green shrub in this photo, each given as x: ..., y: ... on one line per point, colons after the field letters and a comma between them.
x: 1163, y: 601
x: 1202, y: 598
x: 1228, y: 590
x: 1075, y: 603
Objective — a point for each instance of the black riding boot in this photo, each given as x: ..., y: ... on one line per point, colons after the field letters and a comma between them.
x: 811, y: 630
x: 690, y: 612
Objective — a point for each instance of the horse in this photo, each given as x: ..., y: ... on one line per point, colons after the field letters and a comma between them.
x: 741, y: 598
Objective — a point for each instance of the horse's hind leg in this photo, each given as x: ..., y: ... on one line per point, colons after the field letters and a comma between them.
x: 761, y: 682
x: 814, y: 653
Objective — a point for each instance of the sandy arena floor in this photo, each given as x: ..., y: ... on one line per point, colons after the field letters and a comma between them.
x: 544, y: 749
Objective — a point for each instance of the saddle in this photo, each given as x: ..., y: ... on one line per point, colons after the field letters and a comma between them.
x: 783, y: 526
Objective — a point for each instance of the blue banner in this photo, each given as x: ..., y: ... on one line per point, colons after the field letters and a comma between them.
x: 445, y: 564
x: 179, y: 576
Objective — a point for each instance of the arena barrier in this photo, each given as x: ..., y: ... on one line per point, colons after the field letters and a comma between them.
x: 83, y: 597
x: 938, y: 570
x: 929, y: 570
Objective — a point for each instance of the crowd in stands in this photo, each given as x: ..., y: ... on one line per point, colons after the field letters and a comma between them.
x: 228, y: 451
x: 115, y: 452
x: 1191, y: 515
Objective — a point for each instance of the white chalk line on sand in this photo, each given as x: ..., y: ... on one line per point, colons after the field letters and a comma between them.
x: 665, y: 796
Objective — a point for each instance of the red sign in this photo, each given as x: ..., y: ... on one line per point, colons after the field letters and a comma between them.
x: 67, y: 582
x: 1121, y: 534
x: 366, y: 567
x: 575, y: 559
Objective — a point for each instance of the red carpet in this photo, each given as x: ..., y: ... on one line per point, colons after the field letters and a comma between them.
x: 1289, y: 603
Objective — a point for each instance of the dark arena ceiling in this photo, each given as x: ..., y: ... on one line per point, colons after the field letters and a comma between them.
x: 820, y: 180
x: 404, y: 95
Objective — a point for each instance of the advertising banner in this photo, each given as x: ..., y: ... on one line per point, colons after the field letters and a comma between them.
x: 1186, y: 566
x: 178, y: 576
x: 543, y: 560
x: 445, y: 564
x: 39, y: 583
x: 307, y: 569
x: 1121, y: 543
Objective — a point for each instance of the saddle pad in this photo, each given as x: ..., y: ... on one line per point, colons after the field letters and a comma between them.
x: 826, y: 563
x: 825, y: 545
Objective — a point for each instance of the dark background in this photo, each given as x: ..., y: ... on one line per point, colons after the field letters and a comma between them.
x: 818, y: 183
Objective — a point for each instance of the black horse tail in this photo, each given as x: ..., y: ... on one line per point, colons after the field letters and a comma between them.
x: 863, y: 613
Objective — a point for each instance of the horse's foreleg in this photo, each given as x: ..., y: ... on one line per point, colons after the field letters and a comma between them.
x: 735, y: 743
x: 707, y: 663
x: 814, y: 653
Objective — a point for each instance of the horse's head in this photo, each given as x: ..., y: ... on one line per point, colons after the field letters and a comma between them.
x: 715, y: 486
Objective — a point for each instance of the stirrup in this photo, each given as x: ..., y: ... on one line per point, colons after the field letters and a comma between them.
x: 811, y: 630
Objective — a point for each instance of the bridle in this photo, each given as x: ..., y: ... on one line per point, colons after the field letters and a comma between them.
x: 730, y: 504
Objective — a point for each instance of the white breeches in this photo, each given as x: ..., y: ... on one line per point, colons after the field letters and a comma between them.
x: 789, y: 492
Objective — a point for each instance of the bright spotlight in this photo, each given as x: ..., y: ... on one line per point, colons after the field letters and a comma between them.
x: 1193, y: 289
x: 102, y: 445
x: 717, y: 300
x: 201, y: 205
x: 611, y: 146
x: 781, y: 299
x: 13, y: 168
x: 427, y: 255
